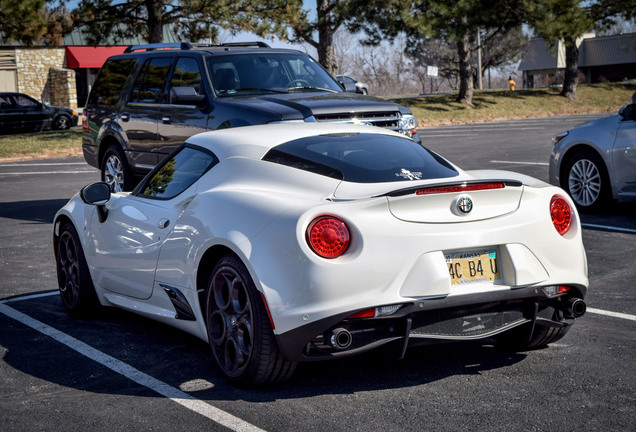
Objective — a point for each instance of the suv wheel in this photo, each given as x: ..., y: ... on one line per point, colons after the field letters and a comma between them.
x: 116, y: 171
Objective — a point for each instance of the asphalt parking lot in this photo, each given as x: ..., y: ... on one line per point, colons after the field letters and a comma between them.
x: 124, y: 373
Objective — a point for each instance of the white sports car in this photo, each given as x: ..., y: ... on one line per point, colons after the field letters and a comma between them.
x: 286, y: 243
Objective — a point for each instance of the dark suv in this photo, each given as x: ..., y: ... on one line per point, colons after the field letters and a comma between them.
x: 147, y: 101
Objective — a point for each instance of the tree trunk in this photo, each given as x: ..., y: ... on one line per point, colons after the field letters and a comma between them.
x: 326, y: 55
x: 571, y: 76
x: 155, y: 21
x: 465, y: 72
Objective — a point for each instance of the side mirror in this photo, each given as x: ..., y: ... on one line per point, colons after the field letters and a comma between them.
x: 628, y: 112
x: 185, y: 96
x: 97, y: 194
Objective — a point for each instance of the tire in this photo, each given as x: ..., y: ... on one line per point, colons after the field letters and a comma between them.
x: 239, y: 330
x: 116, y: 171
x: 61, y: 122
x: 585, y: 179
x: 74, y: 280
x: 519, y: 338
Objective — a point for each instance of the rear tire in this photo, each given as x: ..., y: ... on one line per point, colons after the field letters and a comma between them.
x: 239, y: 330
x: 519, y: 338
x: 74, y: 280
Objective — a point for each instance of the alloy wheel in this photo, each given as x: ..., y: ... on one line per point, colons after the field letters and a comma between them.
x: 584, y: 182
x: 230, y: 321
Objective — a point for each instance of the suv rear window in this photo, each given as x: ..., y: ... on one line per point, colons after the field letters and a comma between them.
x: 110, y: 81
x: 362, y: 158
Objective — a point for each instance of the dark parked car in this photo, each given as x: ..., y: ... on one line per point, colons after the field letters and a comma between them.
x: 22, y: 113
x: 149, y: 100
x: 353, y: 85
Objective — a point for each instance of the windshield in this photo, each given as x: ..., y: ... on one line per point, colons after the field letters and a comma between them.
x: 256, y: 73
x: 362, y: 158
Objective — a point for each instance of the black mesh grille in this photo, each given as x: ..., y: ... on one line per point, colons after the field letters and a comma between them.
x: 457, y: 323
x: 388, y: 119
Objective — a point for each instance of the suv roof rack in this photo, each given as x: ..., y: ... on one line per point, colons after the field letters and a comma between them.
x: 258, y: 44
x: 156, y: 46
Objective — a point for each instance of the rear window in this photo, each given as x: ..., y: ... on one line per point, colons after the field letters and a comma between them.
x: 362, y: 158
x: 110, y: 81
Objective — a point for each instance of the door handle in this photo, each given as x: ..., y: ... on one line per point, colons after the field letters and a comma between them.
x: 163, y: 223
x: 125, y: 117
x: 165, y: 119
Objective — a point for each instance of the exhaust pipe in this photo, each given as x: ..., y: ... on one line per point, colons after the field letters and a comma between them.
x: 574, y: 308
x: 340, y: 339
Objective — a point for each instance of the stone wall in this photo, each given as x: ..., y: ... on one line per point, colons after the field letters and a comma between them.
x: 41, y: 74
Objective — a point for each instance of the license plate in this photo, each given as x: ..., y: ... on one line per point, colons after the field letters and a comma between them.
x: 473, y: 266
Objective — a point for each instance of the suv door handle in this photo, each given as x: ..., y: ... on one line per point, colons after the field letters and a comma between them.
x: 125, y: 117
x: 166, y: 119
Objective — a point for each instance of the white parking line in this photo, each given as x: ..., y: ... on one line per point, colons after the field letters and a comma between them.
x: 42, y: 164
x: 519, y: 163
x: 215, y: 414
x: 48, y: 172
x: 609, y: 228
x: 612, y: 314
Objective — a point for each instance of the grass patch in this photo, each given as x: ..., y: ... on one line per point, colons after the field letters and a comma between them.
x: 497, y: 105
x: 489, y: 105
x: 42, y: 144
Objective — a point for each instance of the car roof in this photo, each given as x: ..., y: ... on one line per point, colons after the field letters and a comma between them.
x: 255, y: 141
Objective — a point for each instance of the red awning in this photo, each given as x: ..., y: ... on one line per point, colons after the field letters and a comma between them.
x: 90, y: 57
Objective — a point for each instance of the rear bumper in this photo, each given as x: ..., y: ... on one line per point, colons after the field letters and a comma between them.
x: 467, y: 317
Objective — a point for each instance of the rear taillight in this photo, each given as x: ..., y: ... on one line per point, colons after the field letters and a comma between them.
x: 328, y: 236
x: 561, y: 214
x: 84, y: 120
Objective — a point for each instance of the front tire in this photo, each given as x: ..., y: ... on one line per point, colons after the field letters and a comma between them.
x: 61, y: 122
x: 74, y: 280
x: 586, y: 181
x: 116, y: 171
x: 239, y: 330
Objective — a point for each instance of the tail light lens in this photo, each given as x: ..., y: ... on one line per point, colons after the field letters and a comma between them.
x: 561, y: 214
x: 328, y: 236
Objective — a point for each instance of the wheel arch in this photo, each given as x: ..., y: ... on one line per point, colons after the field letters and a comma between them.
x: 106, y: 143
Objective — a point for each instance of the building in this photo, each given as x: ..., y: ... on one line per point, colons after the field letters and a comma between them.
x: 601, y: 59
x: 62, y: 75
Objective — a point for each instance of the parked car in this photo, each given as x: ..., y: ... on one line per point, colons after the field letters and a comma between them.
x: 596, y: 161
x: 149, y: 100
x: 353, y: 86
x: 279, y: 244
x: 22, y: 113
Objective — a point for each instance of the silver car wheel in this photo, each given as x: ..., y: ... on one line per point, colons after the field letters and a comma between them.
x: 584, y: 182
x: 114, y: 173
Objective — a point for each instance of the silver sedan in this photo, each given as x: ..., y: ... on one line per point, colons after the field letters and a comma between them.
x: 596, y: 161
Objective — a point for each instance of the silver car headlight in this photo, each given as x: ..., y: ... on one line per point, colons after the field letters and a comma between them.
x: 407, y: 125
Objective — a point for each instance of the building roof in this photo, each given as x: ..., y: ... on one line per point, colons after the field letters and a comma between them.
x: 593, y: 51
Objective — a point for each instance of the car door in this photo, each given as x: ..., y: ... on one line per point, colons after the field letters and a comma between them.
x: 142, y: 112
x: 126, y: 246
x: 624, y: 153
x: 179, y: 122
x: 7, y: 115
x: 31, y: 113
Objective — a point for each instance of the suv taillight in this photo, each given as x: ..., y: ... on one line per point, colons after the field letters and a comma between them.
x: 84, y: 120
x: 328, y: 236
